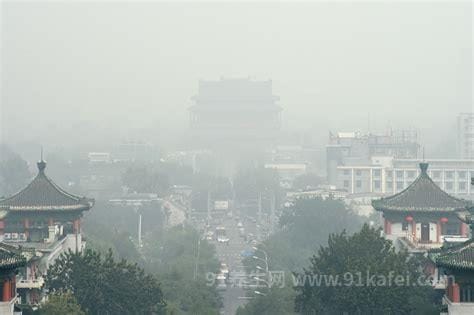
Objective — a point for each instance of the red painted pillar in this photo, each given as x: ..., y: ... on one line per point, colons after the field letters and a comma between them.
x: 6, y: 290
x: 456, y: 293
x: 2, y: 226
x: 77, y: 226
x: 389, y: 227
x: 463, y: 229
x: 26, y: 224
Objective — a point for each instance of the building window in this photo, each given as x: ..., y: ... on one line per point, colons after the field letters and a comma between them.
x: 450, y: 228
x: 389, y: 174
x: 411, y: 174
x: 358, y: 183
x: 399, y: 174
x: 358, y: 173
x: 346, y: 184
x: 377, y: 184
x: 462, y: 186
x: 404, y: 226
x: 449, y: 186
x: 436, y: 174
x: 346, y: 172
x: 462, y: 174
x: 389, y: 185
x: 376, y: 173
x: 467, y: 293
x: 449, y: 174
x: 399, y: 185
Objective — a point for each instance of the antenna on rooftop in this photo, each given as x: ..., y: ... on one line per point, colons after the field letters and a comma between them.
x: 41, y: 153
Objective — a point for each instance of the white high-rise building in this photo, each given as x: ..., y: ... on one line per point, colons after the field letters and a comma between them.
x: 465, y: 135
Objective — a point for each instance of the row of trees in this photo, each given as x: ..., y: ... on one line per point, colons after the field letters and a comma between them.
x: 171, y: 255
x: 354, y: 251
x: 103, y: 285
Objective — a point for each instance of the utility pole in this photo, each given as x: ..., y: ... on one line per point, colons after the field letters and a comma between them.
x: 139, y: 230
x: 197, y: 259
x: 259, y: 217
x: 208, y: 206
x: 272, y: 212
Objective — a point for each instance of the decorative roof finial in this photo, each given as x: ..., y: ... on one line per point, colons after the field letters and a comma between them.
x: 41, y: 164
x: 423, y: 167
x: 423, y: 164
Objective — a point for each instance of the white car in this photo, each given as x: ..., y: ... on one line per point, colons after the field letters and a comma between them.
x: 240, y: 224
x: 224, y: 269
x: 223, y: 239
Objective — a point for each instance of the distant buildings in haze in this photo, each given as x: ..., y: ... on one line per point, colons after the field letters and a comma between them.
x: 465, y: 135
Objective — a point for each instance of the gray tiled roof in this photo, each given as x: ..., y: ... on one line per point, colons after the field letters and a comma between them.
x: 43, y: 194
x: 422, y: 195
x: 10, y: 258
x: 458, y: 257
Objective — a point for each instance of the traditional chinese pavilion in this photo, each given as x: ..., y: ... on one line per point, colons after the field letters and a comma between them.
x: 422, y: 213
x: 10, y: 261
x: 41, y: 222
x: 34, y: 213
x: 456, y: 263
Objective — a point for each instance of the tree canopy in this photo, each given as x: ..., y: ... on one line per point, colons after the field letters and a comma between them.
x: 61, y: 304
x: 363, y: 274
x: 103, y: 285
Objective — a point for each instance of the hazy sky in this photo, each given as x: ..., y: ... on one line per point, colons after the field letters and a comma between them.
x: 333, y: 64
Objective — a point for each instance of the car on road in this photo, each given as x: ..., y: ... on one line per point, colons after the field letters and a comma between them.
x: 221, y: 281
x: 240, y: 224
x: 246, y: 253
x: 221, y: 235
x: 209, y: 236
x: 224, y: 269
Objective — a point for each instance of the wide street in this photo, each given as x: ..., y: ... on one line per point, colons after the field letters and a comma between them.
x: 234, y: 295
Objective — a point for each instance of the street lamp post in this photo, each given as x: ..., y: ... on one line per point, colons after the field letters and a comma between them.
x: 266, y: 257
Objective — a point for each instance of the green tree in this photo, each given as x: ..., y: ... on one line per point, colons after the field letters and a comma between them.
x: 182, y: 260
x: 361, y: 267
x: 303, y: 228
x: 276, y: 301
x: 61, y: 304
x: 307, y: 180
x: 102, y: 285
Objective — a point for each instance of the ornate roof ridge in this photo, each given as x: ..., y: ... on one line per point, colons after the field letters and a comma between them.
x: 451, y: 203
x: 10, y: 257
x: 47, y: 188
x: 459, y: 256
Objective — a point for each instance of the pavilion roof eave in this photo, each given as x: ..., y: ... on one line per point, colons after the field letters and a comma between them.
x: 417, y: 209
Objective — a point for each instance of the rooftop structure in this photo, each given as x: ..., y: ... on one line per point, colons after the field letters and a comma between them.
x: 41, y: 221
x: 42, y: 194
x: 421, y: 195
x: 421, y: 215
x: 456, y: 263
x: 233, y: 111
x: 10, y: 261
x: 355, y: 148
